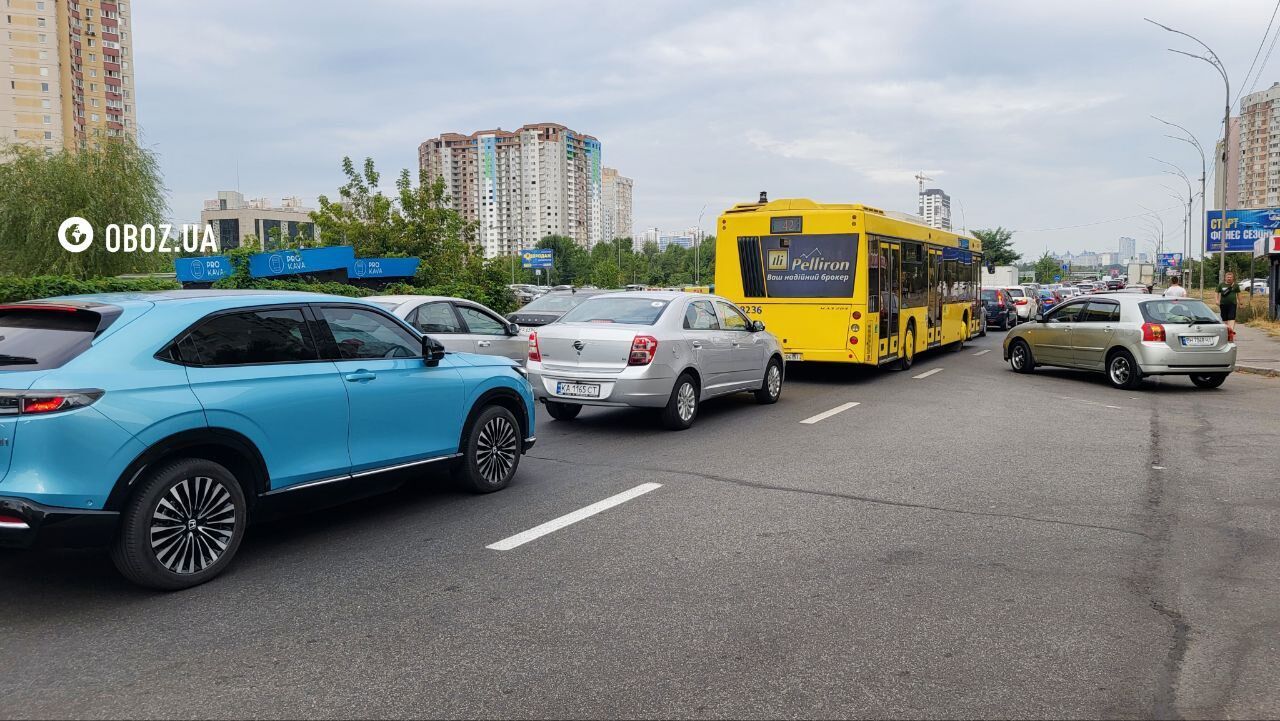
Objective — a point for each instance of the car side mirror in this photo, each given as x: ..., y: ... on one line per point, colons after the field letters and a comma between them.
x: 432, y: 351
x: 513, y: 329
x: 757, y: 326
x: 1040, y: 318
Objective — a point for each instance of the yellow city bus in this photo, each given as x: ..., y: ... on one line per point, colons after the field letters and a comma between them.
x: 848, y: 283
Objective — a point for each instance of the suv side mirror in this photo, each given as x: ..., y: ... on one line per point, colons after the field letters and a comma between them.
x: 1039, y: 317
x: 513, y: 329
x: 432, y: 351
x: 757, y: 326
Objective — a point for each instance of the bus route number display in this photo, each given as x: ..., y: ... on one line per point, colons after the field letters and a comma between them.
x: 791, y: 224
x: 809, y: 266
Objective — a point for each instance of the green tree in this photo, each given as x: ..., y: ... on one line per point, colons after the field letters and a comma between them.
x: 1047, y: 267
x: 997, y: 246
x: 116, y: 183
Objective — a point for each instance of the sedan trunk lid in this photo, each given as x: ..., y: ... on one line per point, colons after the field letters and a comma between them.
x: 588, y: 347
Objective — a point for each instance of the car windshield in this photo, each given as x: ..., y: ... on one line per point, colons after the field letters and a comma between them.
x: 37, y: 339
x: 631, y: 311
x: 1178, y: 311
x: 554, y: 303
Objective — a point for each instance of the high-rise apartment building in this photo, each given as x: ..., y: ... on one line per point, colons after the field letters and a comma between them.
x: 1128, y: 249
x: 615, y: 204
x: 935, y: 208
x: 521, y: 186
x: 65, y: 72
x: 1258, y: 136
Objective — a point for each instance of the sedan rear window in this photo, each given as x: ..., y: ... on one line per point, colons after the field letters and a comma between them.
x: 39, y: 338
x: 552, y: 303
x: 630, y: 311
x: 1178, y: 311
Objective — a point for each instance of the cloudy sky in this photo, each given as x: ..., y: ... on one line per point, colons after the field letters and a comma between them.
x: 1032, y: 114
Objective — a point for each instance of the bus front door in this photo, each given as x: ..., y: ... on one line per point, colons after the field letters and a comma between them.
x: 934, y: 310
x: 890, y: 298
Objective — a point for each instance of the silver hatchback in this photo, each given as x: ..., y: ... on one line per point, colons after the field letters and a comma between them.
x: 652, y: 349
x: 1127, y: 336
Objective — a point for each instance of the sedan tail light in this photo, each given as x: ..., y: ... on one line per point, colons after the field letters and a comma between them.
x: 38, y: 403
x: 1152, y: 332
x: 643, y: 350
x: 535, y: 354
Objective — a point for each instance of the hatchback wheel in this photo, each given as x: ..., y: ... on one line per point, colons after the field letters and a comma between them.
x: 491, y: 451
x: 682, y: 407
x: 1123, y: 371
x: 771, y: 390
x: 1020, y: 358
x: 1209, y: 380
x: 563, y: 411
x: 182, y: 526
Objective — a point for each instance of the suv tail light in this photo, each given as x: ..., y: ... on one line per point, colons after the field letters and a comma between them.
x: 643, y: 350
x: 1153, y: 332
x: 38, y: 403
x: 535, y: 353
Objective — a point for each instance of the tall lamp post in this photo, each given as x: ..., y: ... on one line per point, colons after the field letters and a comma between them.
x: 1204, y: 198
x: 1212, y: 59
x: 1190, y: 199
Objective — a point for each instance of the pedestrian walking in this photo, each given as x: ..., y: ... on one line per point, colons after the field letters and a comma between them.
x: 1175, y: 289
x: 1228, y: 292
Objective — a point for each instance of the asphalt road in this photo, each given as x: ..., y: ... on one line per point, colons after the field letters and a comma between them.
x: 1112, y: 554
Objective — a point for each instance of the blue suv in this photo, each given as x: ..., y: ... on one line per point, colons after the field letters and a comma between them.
x: 162, y: 423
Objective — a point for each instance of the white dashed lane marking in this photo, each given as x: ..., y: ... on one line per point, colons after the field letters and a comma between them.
x: 569, y: 519
x: 926, y: 374
x: 983, y: 352
x: 827, y: 414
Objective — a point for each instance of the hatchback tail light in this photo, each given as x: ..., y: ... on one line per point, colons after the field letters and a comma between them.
x: 1231, y: 334
x: 38, y: 403
x: 1153, y: 332
x: 1020, y: 301
x: 535, y: 354
x: 643, y: 350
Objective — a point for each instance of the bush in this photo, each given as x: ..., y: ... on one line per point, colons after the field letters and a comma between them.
x: 14, y: 288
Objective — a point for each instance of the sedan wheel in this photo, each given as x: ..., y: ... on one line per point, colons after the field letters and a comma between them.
x: 1020, y: 357
x: 772, y: 388
x: 682, y: 407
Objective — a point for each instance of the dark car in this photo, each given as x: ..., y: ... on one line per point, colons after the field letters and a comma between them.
x: 1115, y: 284
x: 1000, y: 308
x: 548, y: 308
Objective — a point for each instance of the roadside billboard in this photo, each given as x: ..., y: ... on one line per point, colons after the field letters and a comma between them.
x: 537, y: 258
x: 1243, y: 227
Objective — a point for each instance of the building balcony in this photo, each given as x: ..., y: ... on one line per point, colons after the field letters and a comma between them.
x: 110, y: 66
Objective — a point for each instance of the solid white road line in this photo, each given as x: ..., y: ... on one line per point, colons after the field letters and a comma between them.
x: 827, y: 414
x: 926, y: 374
x: 983, y: 352
x: 552, y: 526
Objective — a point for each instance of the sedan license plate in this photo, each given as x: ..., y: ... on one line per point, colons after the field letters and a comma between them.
x: 1199, y: 340
x: 793, y: 356
x: 578, y: 390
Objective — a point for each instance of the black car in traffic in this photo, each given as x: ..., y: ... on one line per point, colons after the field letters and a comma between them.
x: 1001, y: 312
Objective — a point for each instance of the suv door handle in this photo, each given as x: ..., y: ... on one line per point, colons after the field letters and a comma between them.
x: 483, y: 343
x: 360, y: 376
x: 696, y: 344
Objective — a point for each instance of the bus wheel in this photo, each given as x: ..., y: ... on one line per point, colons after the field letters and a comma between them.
x: 964, y: 336
x: 907, y: 356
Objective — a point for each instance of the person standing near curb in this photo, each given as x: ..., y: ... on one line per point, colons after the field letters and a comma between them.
x: 1175, y: 289
x: 1228, y: 292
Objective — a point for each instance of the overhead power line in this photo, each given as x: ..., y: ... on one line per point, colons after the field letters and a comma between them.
x: 1258, y: 52
x: 1262, y: 68
x: 1096, y: 222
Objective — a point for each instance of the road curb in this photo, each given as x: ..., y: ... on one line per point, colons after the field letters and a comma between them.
x: 1259, y: 370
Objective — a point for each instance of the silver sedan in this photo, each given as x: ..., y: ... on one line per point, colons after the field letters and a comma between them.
x: 459, y: 324
x: 1127, y: 336
x: 652, y: 349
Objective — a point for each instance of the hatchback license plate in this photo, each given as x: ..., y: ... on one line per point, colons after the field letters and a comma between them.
x: 578, y: 390
x: 1199, y: 340
x: 793, y: 356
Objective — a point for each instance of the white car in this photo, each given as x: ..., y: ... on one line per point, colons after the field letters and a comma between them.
x: 1026, y: 302
x: 460, y: 325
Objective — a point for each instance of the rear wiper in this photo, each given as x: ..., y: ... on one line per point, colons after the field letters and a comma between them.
x: 17, y: 360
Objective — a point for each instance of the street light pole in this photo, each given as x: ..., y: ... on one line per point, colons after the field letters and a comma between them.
x: 1204, y: 197
x: 1213, y: 60
x: 697, y: 247
x: 1190, y: 199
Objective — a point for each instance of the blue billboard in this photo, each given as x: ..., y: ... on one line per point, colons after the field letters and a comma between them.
x: 537, y: 258
x: 1169, y: 260
x: 202, y: 270
x: 810, y: 266
x: 383, y: 268
x: 1242, y: 228
x: 293, y: 262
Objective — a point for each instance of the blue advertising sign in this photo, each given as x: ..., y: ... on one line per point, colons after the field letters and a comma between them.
x: 810, y: 266
x: 202, y: 270
x: 293, y: 262
x: 1169, y: 260
x: 1243, y: 227
x: 383, y: 268
x: 538, y: 258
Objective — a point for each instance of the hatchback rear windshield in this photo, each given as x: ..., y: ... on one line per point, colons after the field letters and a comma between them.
x: 1015, y: 292
x: 552, y: 303
x: 41, y: 338
x: 631, y: 311
x: 1178, y: 311
x: 990, y: 295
